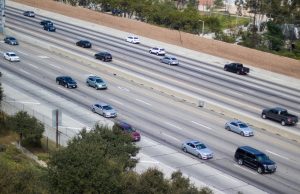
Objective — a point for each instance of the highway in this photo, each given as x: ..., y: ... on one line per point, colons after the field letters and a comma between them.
x: 156, y: 115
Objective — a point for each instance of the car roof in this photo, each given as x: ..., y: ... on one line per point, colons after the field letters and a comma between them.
x: 123, y: 124
x: 9, y: 37
x: 84, y: 40
x: 251, y: 150
x: 11, y: 52
x: 194, y: 142
x: 103, y: 52
x: 64, y: 76
x: 102, y: 104
x: 94, y: 76
x: 237, y: 121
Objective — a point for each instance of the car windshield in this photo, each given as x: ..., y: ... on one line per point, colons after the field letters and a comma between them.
x: 135, y: 37
x: 242, y: 125
x: 162, y: 49
x: 107, y: 107
x: 173, y: 59
x: 99, y: 80
x: 11, y: 38
x: 262, y: 157
x: 12, y: 55
x: 200, y: 146
x: 68, y: 79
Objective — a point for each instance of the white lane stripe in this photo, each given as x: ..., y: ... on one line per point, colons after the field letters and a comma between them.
x: 173, y: 125
x: 116, y: 101
x: 171, y: 137
x: 122, y: 88
x: 147, y: 161
x: 278, y: 155
x: 24, y: 102
x: 54, y: 66
x: 44, y: 57
x: 201, y: 125
x: 244, y: 169
x: 32, y: 65
x: 143, y: 102
x: 22, y: 53
x: 25, y: 71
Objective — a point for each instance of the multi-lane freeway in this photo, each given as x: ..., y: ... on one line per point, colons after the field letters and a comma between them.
x: 161, y: 117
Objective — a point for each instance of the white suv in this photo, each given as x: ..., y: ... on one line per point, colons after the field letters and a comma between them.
x: 133, y: 39
x: 157, y: 51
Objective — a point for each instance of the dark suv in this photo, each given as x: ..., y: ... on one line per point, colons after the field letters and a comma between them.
x: 84, y: 44
x: 66, y: 81
x: 127, y: 128
x: 255, y: 159
x: 104, y: 56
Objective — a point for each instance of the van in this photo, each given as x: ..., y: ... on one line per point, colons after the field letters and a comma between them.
x: 254, y: 159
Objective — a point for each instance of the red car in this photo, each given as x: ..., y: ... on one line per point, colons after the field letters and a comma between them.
x: 126, y: 128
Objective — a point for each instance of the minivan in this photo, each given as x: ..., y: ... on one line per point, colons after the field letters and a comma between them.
x: 254, y: 159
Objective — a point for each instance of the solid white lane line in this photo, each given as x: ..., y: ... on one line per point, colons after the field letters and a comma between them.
x: 173, y: 125
x: 54, y: 66
x: 25, y: 71
x: 244, y: 169
x: 24, y: 102
x: 171, y: 137
x: 201, y: 125
x: 143, y: 102
x: 32, y: 65
x: 147, y: 161
x: 116, y: 101
x: 278, y: 155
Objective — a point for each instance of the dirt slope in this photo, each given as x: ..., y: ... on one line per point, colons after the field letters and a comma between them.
x: 252, y: 57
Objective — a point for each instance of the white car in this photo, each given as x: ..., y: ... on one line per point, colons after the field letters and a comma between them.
x: 11, y: 56
x: 133, y: 39
x: 157, y: 51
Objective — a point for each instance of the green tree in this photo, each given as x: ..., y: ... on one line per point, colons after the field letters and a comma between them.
x: 1, y: 90
x: 274, y: 36
x: 93, y: 162
x: 29, y: 128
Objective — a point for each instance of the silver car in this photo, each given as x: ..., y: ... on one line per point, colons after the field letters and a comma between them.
x: 197, y: 148
x: 104, y: 109
x: 96, y: 82
x: 239, y: 127
x: 169, y: 60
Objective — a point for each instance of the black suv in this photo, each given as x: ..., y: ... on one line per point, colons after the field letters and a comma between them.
x: 255, y: 159
x: 46, y: 22
x: 84, y: 44
x: 104, y: 56
x: 66, y: 81
x: 49, y: 27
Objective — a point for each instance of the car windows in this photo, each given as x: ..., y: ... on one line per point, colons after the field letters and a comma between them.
x: 233, y: 123
x: 99, y: 81
x: 200, y: 146
x: 262, y: 157
x: 12, y: 55
x: 107, y: 107
x: 242, y: 125
x: 173, y: 59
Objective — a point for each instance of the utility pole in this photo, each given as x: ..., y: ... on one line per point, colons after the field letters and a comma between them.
x: 2, y: 19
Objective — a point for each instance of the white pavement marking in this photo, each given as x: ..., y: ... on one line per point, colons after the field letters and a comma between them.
x: 147, y: 161
x: 24, y: 102
x: 244, y: 169
x: 25, y: 71
x: 278, y: 155
x: 44, y: 57
x: 202, y: 125
x: 32, y: 65
x: 171, y: 137
x: 143, y: 102
x: 116, y: 101
x: 23, y: 53
x: 173, y: 125
x: 125, y: 89
x: 54, y: 66
x: 239, y: 94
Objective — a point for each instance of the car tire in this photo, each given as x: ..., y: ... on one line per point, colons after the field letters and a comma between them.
x: 87, y: 83
x: 260, y: 170
x: 240, y: 161
x: 57, y: 82
x: 227, y: 128
x: 264, y: 116
x: 242, y: 133
x: 96, y: 87
x: 150, y: 52
x: 184, y: 149
x: 238, y: 72
x: 283, y: 123
x: 157, y: 54
x: 93, y: 109
x: 225, y: 69
x: 66, y: 86
x: 199, y: 156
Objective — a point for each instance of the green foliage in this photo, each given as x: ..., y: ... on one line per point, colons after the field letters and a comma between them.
x: 274, y: 37
x: 219, y: 3
x: 1, y: 91
x: 225, y: 37
x: 30, y: 129
x: 93, y: 161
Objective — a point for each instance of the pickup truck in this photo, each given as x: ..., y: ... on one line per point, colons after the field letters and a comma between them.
x: 236, y: 68
x: 279, y: 114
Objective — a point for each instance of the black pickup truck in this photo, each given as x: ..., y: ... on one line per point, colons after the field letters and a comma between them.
x: 236, y: 68
x: 279, y: 114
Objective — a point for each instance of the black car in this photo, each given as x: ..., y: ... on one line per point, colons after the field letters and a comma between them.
x: 46, y: 22
x: 255, y: 159
x: 29, y: 14
x: 236, y: 68
x: 104, y: 56
x: 84, y: 44
x: 66, y: 81
x: 11, y: 40
x: 49, y: 28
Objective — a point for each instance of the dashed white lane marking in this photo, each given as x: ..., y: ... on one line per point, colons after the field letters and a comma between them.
x: 25, y: 71
x: 239, y: 94
x: 32, y: 65
x: 173, y: 125
x: 54, y: 66
x: 116, y: 101
x: 24, y: 102
x: 201, y: 125
x: 23, y: 53
x: 44, y: 57
x: 170, y: 136
x: 244, y: 169
x: 147, y: 161
x: 278, y: 155
x: 122, y: 88
x: 143, y: 102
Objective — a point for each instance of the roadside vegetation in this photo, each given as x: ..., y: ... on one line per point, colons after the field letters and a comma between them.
x: 99, y: 161
x: 248, y: 31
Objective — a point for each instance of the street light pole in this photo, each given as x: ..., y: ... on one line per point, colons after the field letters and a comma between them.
x: 202, y: 27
